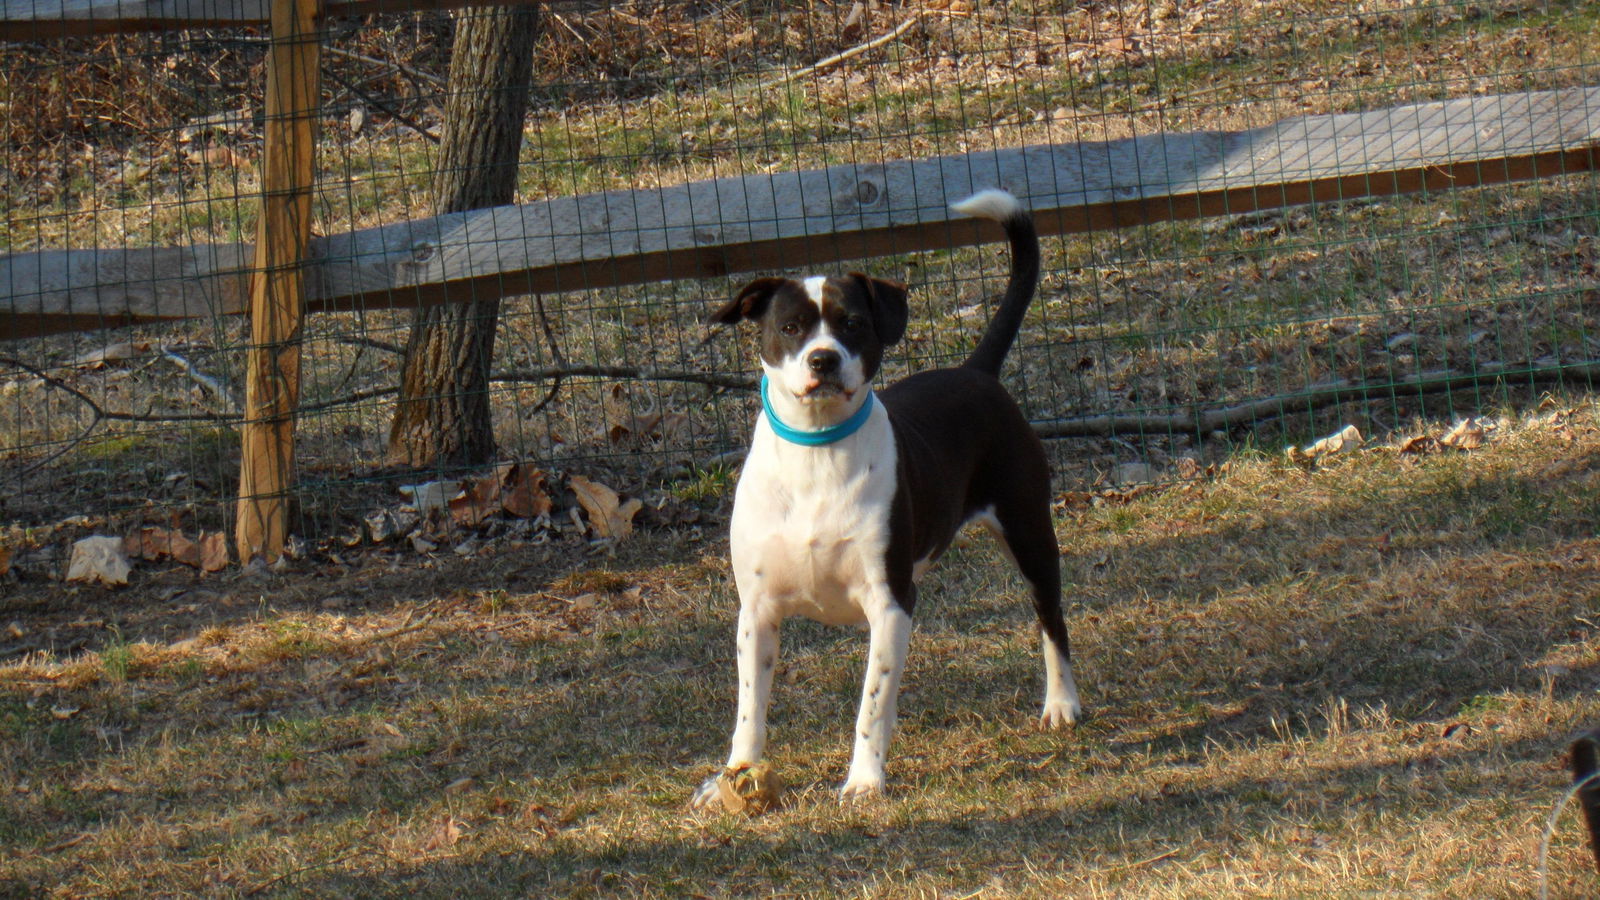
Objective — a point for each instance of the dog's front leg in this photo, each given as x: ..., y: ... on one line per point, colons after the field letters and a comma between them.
x: 886, y: 660
x: 757, y: 644
x: 758, y: 656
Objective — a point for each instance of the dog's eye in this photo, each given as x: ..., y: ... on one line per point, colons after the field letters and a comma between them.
x: 852, y: 324
x: 792, y: 329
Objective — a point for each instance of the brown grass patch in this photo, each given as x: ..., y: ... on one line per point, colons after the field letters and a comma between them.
x: 1357, y: 677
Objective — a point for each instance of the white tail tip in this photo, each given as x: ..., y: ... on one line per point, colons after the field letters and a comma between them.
x: 990, y: 204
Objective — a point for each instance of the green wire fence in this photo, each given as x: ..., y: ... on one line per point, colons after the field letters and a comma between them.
x: 1266, y: 221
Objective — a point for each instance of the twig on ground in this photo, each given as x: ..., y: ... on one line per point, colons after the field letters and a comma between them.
x: 209, y: 382
x: 99, y: 415
x: 555, y: 354
x: 562, y: 21
x: 1149, y: 860
x: 394, y: 111
x: 269, y: 883
x: 857, y: 50
x: 414, y: 74
x: 642, y: 373
x: 374, y: 343
x: 405, y: 627
x: 73, y: 841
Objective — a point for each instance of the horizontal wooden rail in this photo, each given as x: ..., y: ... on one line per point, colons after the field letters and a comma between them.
x: 39, y: 20
x: 802, y: 219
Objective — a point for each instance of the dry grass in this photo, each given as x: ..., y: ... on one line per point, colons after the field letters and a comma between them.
x: 1357, y: 678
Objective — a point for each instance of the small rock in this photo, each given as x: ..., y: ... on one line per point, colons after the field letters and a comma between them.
x: 1131, y: 473
x: 99, y: 558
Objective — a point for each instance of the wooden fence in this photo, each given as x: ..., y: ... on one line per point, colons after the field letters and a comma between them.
x: 705, y: 228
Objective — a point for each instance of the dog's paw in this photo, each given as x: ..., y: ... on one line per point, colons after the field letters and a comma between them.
x: 749, y: 788
x: 1060, y: 714
x: 707, y: 796
x: 860, y: 790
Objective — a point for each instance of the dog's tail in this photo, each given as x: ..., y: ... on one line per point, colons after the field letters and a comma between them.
x: 1009, y: 212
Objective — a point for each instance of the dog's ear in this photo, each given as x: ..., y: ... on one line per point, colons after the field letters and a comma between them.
x: 889, y: 308
x: 750, y: 304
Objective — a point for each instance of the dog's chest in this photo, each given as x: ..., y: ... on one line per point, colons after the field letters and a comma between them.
x: 810, y: 525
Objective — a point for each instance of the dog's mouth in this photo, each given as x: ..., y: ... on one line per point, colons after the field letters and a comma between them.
x: 823, y: 391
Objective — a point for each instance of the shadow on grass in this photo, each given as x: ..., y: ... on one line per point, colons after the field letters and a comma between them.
x: 1073, y: 842
x: 1425, y: 601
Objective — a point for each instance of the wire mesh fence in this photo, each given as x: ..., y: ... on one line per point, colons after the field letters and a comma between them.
x: 1151, y: 350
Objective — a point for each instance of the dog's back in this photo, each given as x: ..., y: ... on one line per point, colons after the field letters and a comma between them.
x: 966, y: 451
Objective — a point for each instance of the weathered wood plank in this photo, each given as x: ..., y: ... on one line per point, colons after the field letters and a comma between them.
x: 38, y: 20
x: 802, y: 219
x: 277, y: 282
x: 83, y: 290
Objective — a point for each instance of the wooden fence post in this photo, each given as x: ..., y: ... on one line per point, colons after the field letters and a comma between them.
x: 277, y: 282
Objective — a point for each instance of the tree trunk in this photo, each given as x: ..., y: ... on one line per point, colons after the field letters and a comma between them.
x: 443, y: 414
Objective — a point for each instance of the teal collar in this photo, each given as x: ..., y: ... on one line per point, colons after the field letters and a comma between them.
x: 817, y: 437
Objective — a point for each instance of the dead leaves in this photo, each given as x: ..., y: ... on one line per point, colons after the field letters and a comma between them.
x: 385, y: 739
x: 1419, y: 445
x: 515, y: 498
x: 208, y: 553
x: 522, y: 492
x: 658, y: 428
x: 1344, y: 440
x: 514, y: 488
x: 109, y: 560
x: 445, y: 835
x: 1466, y: 435
x: 749, y: 789
x: 609, y: 515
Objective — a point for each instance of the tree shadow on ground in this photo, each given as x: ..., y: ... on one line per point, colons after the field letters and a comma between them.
x: 1215, y: 641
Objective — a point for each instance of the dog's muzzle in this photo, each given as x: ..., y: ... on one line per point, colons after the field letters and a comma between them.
x: 826, y: 368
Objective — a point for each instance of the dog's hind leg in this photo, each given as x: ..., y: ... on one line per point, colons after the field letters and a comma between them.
x: 1025, y: 528
x: 886, y: 661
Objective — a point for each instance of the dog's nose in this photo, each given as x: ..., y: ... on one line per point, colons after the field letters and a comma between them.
x: 823, y: 362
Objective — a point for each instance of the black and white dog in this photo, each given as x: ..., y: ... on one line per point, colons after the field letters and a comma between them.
x: 847, y: 496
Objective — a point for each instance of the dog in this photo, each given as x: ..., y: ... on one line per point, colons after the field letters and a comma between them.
x: 848, y: 495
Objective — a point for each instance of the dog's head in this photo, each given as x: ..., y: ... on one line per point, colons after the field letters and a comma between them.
x: 822, y: 339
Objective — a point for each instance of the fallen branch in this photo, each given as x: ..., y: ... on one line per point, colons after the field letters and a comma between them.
x: 1200, y: 420
x: 524, y: 376
x: 555, y: 354
x: 1195, y: 419
x: 857, y: 50
x: 279, y: 879
x: 394, y: 111
x: 640, y: 373
x: 374, y: 343
x: 99, y: 416
x: 209, y: 382
x: 405, y: 627
x: 409, y: 72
